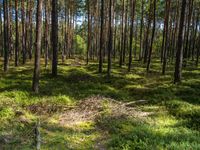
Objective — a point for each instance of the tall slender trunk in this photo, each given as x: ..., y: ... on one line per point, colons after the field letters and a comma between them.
x: 131, y: 33
x: 23, y: 32
x: 141, y: 30
x: 166, y: 43
x: 31, y: 29
x: 190, y: 12
x: 27, y: 27
x: 101, y: 38
x: 110, y: 42
x: 175, y: 30
x: 122, y: 34
x: 152, y: 37
x: 11, y: 46
x: 125, y: 33
x: 38, y: 46
x: 46, y: 32
x: 89, y: 32
x: 65, y: 33
x: 146, y: 52
x: 6, y: 36
x: 54, y: 36
x: 194, y: 38
x: 179, y: 54
x: 16, y: 35
x: 115, y: 36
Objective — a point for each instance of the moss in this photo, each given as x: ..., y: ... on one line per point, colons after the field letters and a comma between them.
x: 172, y: 123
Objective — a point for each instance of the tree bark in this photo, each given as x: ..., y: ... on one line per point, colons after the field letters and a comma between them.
x: 110, y: 42
x: 54, y: 37
x: 16, y: 35
x: 146, y: 52
x: 89, y: 32
x: 141, y: 30
x: 6, y: 35
x: 131, y: 33
x: 38, y: 46
x: 152, y: 37
x: 46, y: 32
x: 179, y: 54
x: 166, y: 42
x: 31, y: 29
x: 101, y: 38
x: 23, y: 32
x: 122, y: 34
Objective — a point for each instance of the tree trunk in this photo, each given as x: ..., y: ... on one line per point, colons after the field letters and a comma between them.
x: 16, y: 35
x: 89, y: 32
x: 186, y: 50
x: 46, y: 32
x: 31, y: 29
x: 125, y: 33
x: 152, y: 37
x: 141, y: 30
x: 54, y: 37
x: 146, y: 52
x: 23, y: 32
x: 38, y: 46
x: 122, y: 34
x: 110, y: 42
x: 101, y: 38
x: 131, y: 33
x: 166, y: 42
x: 6, y: 35
x: 179, y: 54
x: 10, y: 31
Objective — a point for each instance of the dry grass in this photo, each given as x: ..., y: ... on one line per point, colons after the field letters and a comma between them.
x: 92, y: 108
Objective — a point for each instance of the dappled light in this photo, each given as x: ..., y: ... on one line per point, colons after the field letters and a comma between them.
x: 99, y: 75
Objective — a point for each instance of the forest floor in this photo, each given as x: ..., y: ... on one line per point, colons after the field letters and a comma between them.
x: 82, y: 110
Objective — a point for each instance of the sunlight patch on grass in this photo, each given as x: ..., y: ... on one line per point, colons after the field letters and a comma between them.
x: 132, y: 76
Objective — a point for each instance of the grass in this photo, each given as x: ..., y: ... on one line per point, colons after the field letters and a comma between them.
x: 174, y: 111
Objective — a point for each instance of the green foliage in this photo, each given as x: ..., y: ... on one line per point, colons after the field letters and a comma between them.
x: 80, y: 45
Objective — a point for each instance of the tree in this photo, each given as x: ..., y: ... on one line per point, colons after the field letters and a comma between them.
x: 179, y: 53
x: 141, y: 30
x: 6, y: 35
x: 122, y: 34
x: 89, y: 31
x: 101, y: 38
x: 152, y: 37
x: 125, y: 32
x: 110, y: 42
x: 190, y: 12
x: 23, y: 32
x: 54, y: 36
x: 131, y: 33
x: 10, y: 24
x: 38, y: 47
x: 46, y: 32
x: 31, y: 4
x: 16, y: 35
x: 166, y: 37
x: 147, y: 34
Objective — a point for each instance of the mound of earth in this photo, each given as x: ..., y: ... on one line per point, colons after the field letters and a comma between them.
x: 93, y: 107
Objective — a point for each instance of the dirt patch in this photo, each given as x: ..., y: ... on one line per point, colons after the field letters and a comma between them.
x: 93, y: 107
